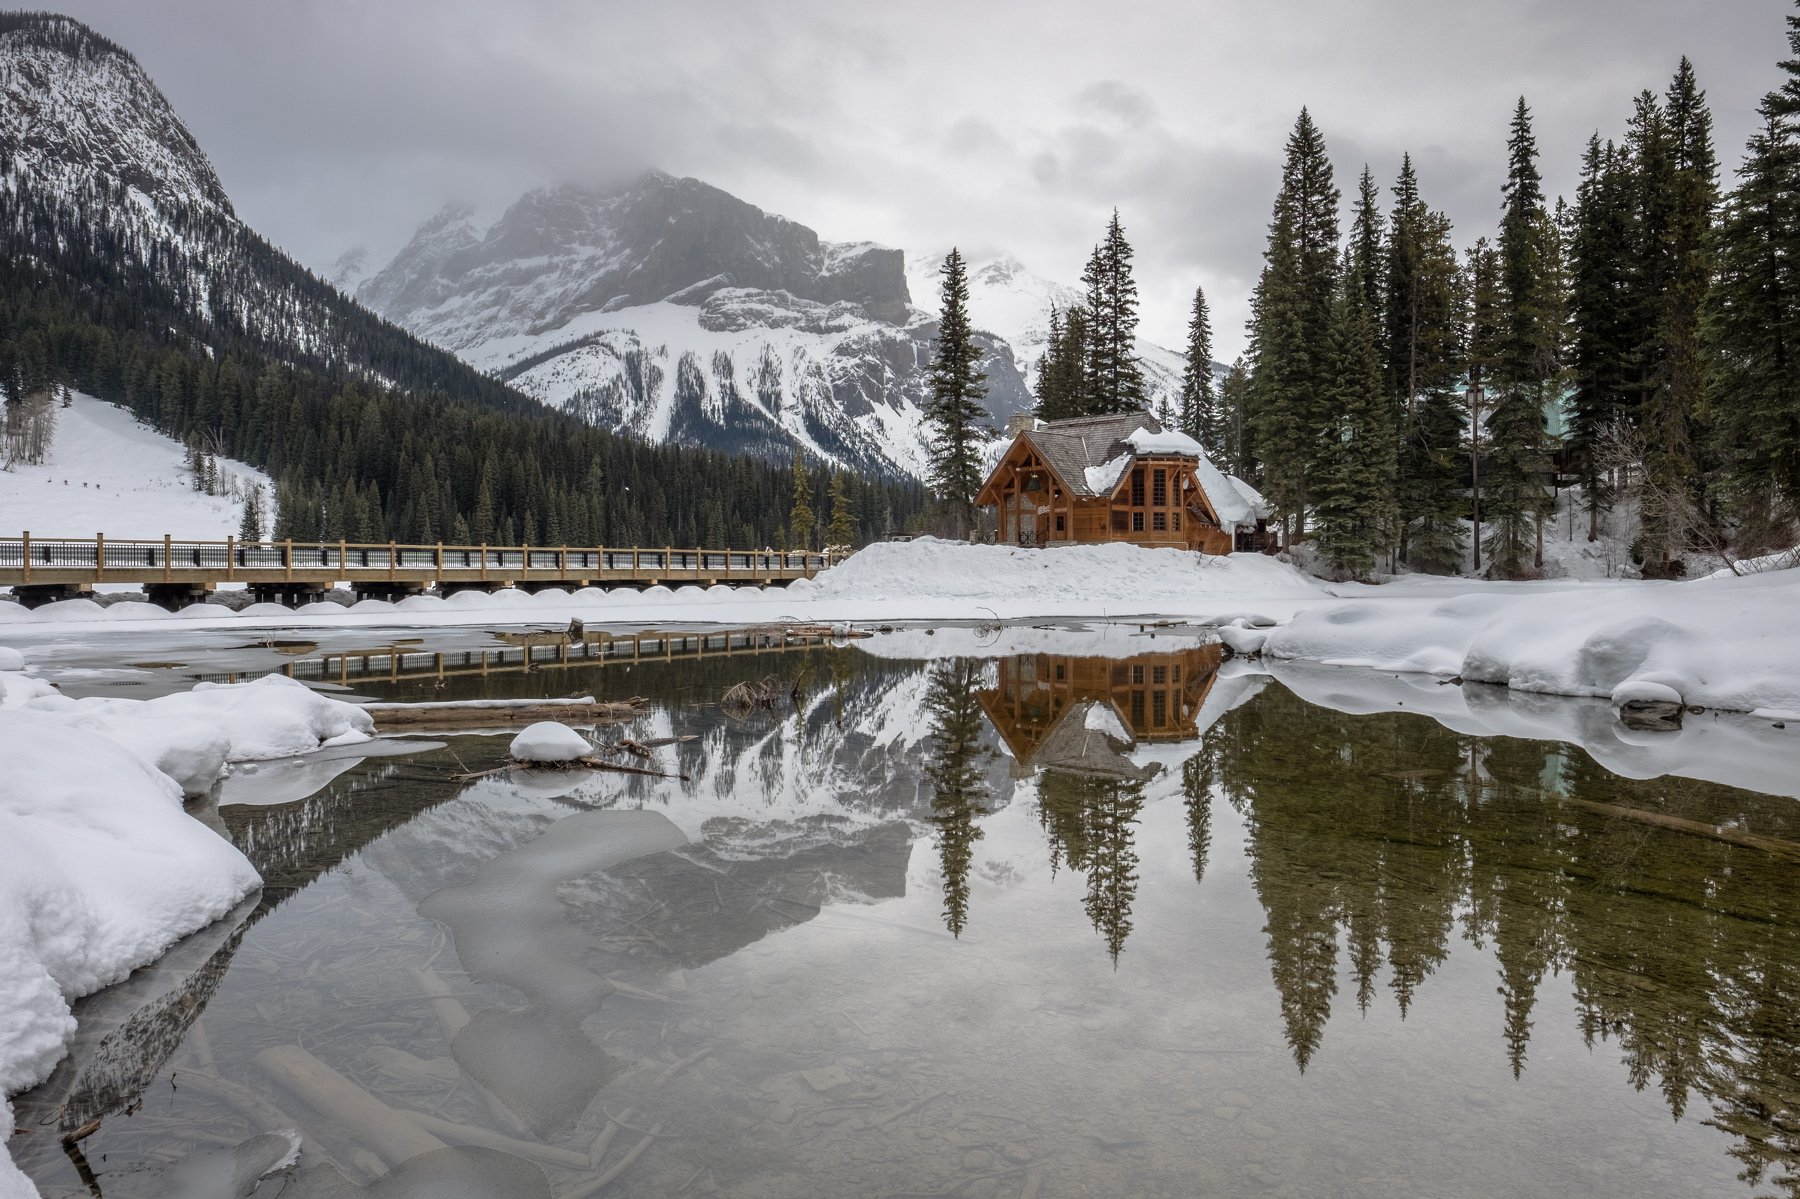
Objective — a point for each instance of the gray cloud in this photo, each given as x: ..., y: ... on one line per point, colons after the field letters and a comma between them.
x: 336, y: 122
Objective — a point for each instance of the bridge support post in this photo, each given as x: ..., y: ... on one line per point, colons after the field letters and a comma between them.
x: 176, y: 596
x: 36, y: 595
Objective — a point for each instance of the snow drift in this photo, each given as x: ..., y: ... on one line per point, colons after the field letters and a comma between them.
x: 1730, y: 643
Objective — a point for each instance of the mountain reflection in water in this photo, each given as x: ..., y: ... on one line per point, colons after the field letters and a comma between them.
x: 1316, y: 952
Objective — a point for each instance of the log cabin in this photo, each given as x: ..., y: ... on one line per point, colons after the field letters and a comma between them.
x: 1120, y: 477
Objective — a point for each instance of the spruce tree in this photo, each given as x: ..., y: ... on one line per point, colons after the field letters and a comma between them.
x: 1112, y: 379
x: 251, y: 527
x: 954, y: 410
x: 1234, y: 390
x: 1601, y: 338
x: 1291, y: 316
x: 1423, y: 352
x: 800, y: 517
x: 842, y: 530
x: 1526, y: 365
x: 1487, y: 328
x: 1355, y: 489
x: 1200, y: 415
x: 1062, y: 370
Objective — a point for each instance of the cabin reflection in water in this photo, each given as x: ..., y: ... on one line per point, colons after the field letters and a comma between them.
x: 1078, y: 715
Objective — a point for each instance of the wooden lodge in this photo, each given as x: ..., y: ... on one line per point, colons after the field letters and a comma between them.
x: 1120, y: 478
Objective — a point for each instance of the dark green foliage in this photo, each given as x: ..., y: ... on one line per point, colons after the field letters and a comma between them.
x: 1201, y: 417
x: 955, y: 411
x: 801, y: 521
x: 1111, y: 378
x: 842, y: 531
x: 1423, y: 350
x: 1753, y: 327
x: 1601, y: 337
x: 1091, y: 822
x: 1526, y: 363
x: 1355, y: 487
x: 1234, y: 392
x: 1290, y: 328
x: 1062, y: 371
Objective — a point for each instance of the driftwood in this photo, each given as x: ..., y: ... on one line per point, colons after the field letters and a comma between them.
x: 485, y: 1138
x: 623, y: 1164
x: 389, y: 1133
x: 482, y: 714
x: 453, y: 1017
x: 1780, y: 848
x: 604, y: 1141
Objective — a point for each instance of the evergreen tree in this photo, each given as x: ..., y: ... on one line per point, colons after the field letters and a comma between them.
x: 1234, y: 391
x: 1062, y: 372
x: 800, y: 518
x: 1201, y: 418
x: 1422, y: 348
x: 1487, y: 324
x: 1290, y: 324
x: 1355, y: 491
x: 1112, y: 379
x: 842, y: 531
x: 954, y: 410
x: 1526, y: 365
x: 958, y: 787
x: 1601, y: 340
x: 251, y: 527
x: 1676, y: 363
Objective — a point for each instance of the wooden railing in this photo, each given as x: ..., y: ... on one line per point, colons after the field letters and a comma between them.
x: 26, y: 560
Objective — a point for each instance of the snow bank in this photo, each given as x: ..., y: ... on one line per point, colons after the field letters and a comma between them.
x: 1115, y: 576
x: 1731, y: 643
x: 548, y: 741
x: 100, y: 871
x: 271, y: 717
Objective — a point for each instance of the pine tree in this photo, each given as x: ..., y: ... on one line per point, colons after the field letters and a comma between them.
x: 251, y: 527
x: 1753, y: 395
x: 1291, y: 316
x: 1062, y: 372
x: 1355, y: 490
x: 842, y: 531
x: 1487, y: 324
x: 1112, y: 379
x: 1526, y: 364
x: 1677, y: 366
x: 1200, y: 414
x: 800, y: 517
x: 954, y: 410
x: 1234, y: 390
x: 1601, y: 339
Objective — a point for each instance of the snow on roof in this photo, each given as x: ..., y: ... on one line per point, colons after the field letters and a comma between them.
x: 1231, y: 505
x: 1103, y: 478
x: 1166, y: 442
x: 1258, y: 506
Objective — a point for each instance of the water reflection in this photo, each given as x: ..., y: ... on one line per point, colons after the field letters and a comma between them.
x: 864, y: 970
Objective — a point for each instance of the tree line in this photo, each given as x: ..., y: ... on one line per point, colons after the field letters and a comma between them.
x: 1406, y: 402
x: 369, y: 434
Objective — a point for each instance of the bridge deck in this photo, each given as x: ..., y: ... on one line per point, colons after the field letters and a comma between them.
x: 28, y: 561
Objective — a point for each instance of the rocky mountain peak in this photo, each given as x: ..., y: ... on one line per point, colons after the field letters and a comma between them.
x: 75, y: 108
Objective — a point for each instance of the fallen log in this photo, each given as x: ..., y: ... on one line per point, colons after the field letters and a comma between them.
x: 388, y: 1132
x: 487, y: 1138
x: 453, y: 1017
x: 499, y: 713
x: 1695, y: 828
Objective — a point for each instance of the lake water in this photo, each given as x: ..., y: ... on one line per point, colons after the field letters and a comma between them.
x: 1046, y: 923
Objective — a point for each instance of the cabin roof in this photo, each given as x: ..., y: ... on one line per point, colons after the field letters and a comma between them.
x: 1072, y: 447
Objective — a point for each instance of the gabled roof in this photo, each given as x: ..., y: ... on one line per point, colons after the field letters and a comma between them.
x: 1070, y: 447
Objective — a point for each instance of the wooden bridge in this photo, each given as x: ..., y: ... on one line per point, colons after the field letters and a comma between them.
x: 174, y: 573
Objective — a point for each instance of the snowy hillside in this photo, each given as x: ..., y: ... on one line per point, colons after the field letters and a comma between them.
x: 108, y: 474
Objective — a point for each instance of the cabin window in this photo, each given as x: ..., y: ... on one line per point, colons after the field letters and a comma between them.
x: 1159, y: 674
x: 1175, y: 521
x: 1159, y: 521
x: 1137, y: 676
x: 1137, y: 709
x: 1159, y: 488
x: 1059, y: 522
x: 1060, y: 669
x: 1137, y: 487
x: 1137, y: 522
x: 1159, y: 708
x: 1175, y: 672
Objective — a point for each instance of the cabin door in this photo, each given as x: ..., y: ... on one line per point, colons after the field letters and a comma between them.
x: 1043, y: 528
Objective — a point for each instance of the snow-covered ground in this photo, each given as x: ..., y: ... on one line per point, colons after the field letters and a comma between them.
x: 101, y: 869
x: 109, y: 474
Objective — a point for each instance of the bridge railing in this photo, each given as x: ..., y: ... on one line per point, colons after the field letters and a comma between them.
x: 31, y: 554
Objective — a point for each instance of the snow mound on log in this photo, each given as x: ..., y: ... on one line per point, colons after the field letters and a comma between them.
x: 549, y: 741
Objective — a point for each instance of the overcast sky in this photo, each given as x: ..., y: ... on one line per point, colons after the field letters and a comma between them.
x: 1011, y: 127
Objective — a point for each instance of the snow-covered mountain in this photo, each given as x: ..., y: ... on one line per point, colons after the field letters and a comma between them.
x: 683, y: 314
x: 104, y: 185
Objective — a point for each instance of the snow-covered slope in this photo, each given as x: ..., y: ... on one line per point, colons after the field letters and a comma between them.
x: 106, y: 473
